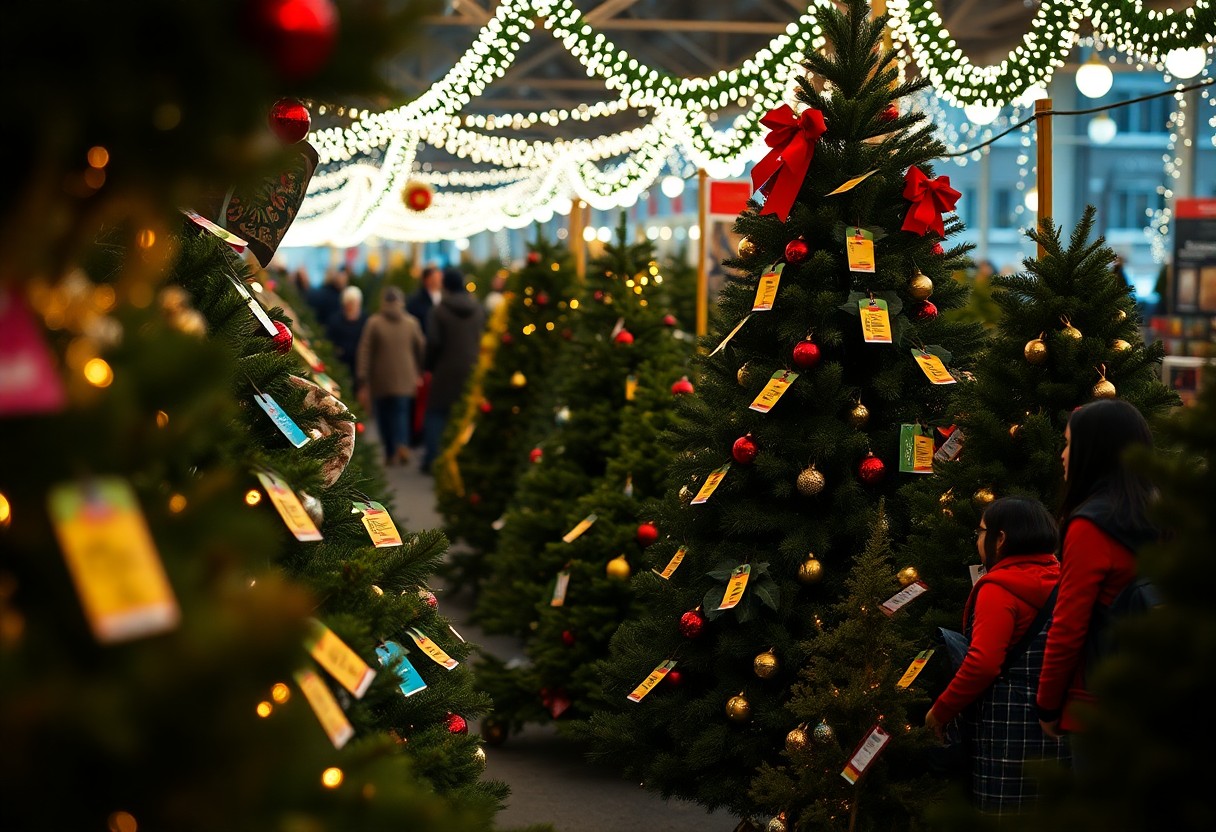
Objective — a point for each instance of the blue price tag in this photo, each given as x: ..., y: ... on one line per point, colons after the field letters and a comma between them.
x: 281, y: 420
x: 392, y: 656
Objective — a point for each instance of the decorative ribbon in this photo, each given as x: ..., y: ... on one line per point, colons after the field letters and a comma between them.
x: 792, y: 139
x: 930, y: 199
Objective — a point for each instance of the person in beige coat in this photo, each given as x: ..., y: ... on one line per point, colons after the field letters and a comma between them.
x: 389, y: 364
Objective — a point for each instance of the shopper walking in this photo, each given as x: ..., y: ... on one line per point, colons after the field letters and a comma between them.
x: 391, y: 352
x: 453, y: 340
x: 345, y: 328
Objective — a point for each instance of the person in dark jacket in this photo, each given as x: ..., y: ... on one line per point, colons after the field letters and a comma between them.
x: 428, y: 294
x: 326, y: 299
x: 995, y: 685
x: 345, y: 327
x: 454, y: 331
x: 389, y: 354
x: 1105, y: 517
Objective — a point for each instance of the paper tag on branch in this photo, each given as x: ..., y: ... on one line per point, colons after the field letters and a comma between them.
x: 559, y: 588
x: 875, y: 321
x: 866, y: 754
x: 773, y: 391
x: 341, y: 662
x: 766, y: 289
x: 112, y: 559
x: 914, y: 669
x: 909, y: 593
x: 735, y: 587
x: 859, y: 245
x: 577, y: 532
x: 915, y: 449
x: 730, y: 335
x: 379, y: 524
x: 711, y: 484
x: 282, y: 421
x: 392, y: 656
x: 631, y: 387
x: 288, y: 506
x: 647, y: 685
x: 933, y: 367
x: 432, y: 650
x: 325, y: 706
x: 852, y: 183
x: 672, y: 564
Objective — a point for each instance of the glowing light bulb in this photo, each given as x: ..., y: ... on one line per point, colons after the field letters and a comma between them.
x: 1094, y: 78
x: 332, y: 777
x: 265, y: 709
x: 672, y: 186
x: 1186, y: 63
x: 280, y: 693
x: 253, y: 497
x: 98, y: 373
x: 1102, y: 129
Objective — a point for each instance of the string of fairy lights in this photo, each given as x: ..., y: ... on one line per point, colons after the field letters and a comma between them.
x: 511, y: 182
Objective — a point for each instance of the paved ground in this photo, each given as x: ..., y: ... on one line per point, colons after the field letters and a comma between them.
x: 550, y: 780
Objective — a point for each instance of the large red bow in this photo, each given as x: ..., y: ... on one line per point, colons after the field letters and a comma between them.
x: 930, y: 199
x: 792, y: 139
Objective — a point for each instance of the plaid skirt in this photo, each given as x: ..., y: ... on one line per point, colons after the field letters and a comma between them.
x: 1003, y: 734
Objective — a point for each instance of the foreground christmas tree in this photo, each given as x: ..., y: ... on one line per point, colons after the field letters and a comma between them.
x: 476, y: 484
x: 1067, y: 334
x: 827, y: 346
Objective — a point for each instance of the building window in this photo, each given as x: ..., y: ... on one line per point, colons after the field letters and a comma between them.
x: 1129, y: 207
x: 1150, y: 116
x: 1002, y: 208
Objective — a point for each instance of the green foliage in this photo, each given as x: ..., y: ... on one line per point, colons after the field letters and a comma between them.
x: 1072, y: 281
x: 678, y: 740
x: 494, y: 456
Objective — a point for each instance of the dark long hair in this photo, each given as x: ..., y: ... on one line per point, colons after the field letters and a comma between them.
x: 1028, y: 526
x: 1100, y: 486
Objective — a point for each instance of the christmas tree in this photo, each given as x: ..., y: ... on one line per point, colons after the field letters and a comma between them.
x: 474, y: 486
x: 827, y: 346
x: 1067, y: 334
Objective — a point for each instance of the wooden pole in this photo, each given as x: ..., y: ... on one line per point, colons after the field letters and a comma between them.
x: 1042, y: 124
x: 577, y: 244
x: 703, y: 252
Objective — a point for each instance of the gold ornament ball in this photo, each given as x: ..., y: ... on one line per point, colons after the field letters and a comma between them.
x: 908, y: 575
x: 766, y: 665
x: 859, y: 415
x: 777, y: 824
x: 518, y: 379
x: 479, y: 754
x: 618, y: 569
x: 983, y: 497
x: 1120, y: 316
x: 797, y: 740
x: 686, y: 494
x: 1035, y: 351
x: 810, y: 572
x: 747, y: 247
x: 1072, y: 332
x: 1104, y: 390
x: 823, y: 732
x: 738, y: 709
x: 742, y: 375
x: 920, y: 287
x: 810, y: 481
x: 1119, y: 345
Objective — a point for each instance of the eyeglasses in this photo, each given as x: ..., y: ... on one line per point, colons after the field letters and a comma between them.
x: 980, y: 531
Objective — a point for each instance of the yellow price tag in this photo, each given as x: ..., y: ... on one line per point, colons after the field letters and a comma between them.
x: 672, y: 564
x: 329, y: 712
x: 852, y: 183
x: 875, y: 322
x: 339, y: 660
x: 559, y: 588
x: 914, y: 669
x: 735, y: 587
x: 922, y: 454
x: 766, y: 289
x: 774, y: 390
x: 112, y: 559
x: 631, y: 387
x: 711, y: 484
x: 577, y: 532
x: 859, y: 246
x: 288, y: 505
x: 933, y: 367
x: 432, y: 650
x: 380, y: 527
x: 656, y: 676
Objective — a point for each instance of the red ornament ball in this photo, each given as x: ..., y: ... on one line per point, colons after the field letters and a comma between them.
x: 485, y: 406
x: 938, y: 250
x: 744, y: 450
x: 282, y: 338
x: 796, y: 251
x: 669, y: 320
x: 474, y: 499
x: 624, y: 337
x: 598, y: 294
x: 417, y: 196
x: 297, y: 35
x: 871, y: 470
x: 648, y: 533
x: 674, y: 678
x: 683, y: 387
x: 889, y: 114
x: 542, y: 299
x: 692, y: 623
x: 568, y: 638
x: 457, y: 724
x: 926, y: 310
x: 359, y: 428
x: 507, y: 338
x: 533, y: 258
x: 429, y: 598
x: 806, y: 354
x: 536, y: 454
x: 289, y: 119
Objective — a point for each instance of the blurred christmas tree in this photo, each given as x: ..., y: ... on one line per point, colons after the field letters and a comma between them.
x: 486, y: 453
x: 830, y: 356
x: 1067, y: 334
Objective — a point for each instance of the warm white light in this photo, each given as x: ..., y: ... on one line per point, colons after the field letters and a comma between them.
x: 1032, y: 200
x: 462, y: 244
x: 694, y: 232
x: 981, y: 114
x: 665, y: 232
x: 589, y: 233
x: 1102, y: 129
x: 652, y: 232
x: 1094, y: 78
x: 1186, y: 63
x: 604, y: 235
x: 673, y: 186
x: 1033, y: 93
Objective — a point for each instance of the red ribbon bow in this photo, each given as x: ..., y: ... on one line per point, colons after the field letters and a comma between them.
x: 930, y: 199
x: 792, y: 139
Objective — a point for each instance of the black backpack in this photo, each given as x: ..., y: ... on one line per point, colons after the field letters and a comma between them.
x: 1136, y: 599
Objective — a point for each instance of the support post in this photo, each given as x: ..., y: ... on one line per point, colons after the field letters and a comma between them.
x: 577, y: 244
x: 1042, y: 125
x: 703, y: 252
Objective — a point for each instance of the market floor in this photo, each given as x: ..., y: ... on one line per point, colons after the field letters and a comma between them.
x: 550, y: 780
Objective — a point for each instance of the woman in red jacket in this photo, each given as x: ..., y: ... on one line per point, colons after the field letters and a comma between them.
x: 1006, y: 618
x: 1105, y: 521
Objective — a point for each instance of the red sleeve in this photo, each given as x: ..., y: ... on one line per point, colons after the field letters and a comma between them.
x: 995, y: 620
x: 1086, y: 563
